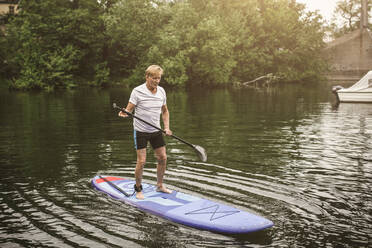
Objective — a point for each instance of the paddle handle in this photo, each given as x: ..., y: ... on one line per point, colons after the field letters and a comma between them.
x: 150, y: 124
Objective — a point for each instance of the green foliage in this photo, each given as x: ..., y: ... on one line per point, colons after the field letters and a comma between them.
x: 102, y: 75
x: 41, y: 67
x: 53, y: 69
x: 219, y: 42
x: 53, y: 43
x: 212, y: 43
x: 133, y: 26
x: 293, y: 49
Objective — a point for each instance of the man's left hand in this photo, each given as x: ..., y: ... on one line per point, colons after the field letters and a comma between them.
x: 168, y: 132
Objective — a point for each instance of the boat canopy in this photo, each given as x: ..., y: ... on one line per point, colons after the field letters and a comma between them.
x: 364, y: 84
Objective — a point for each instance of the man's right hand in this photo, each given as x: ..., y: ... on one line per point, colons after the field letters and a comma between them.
x: 122, y: 114
x: 130, y: 107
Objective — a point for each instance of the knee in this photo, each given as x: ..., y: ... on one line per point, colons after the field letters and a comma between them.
x: 141, y: 162
x: 162, y: 159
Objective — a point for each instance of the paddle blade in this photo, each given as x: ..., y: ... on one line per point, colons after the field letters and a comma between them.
x: 201, y: 153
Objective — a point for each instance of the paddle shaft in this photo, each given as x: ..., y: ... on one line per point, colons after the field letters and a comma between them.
x: 150, y: 124
x: 114, y: 186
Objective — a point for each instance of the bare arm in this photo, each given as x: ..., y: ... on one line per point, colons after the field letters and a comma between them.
x: 165, y: 116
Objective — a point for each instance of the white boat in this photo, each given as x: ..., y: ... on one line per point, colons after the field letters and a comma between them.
x: 359, y: 92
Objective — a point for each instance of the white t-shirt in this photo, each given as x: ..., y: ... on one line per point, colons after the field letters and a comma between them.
x: 148, y: 107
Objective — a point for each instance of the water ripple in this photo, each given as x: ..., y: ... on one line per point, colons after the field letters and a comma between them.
x: 306, y: 166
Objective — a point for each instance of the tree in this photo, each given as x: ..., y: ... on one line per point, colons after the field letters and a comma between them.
x: 222, y: 41
x: 55, y: 43
x: 132, y: 26
x: 346, y: 17
x: 292, y: 41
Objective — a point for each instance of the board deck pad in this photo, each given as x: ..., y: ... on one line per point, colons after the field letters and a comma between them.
x: 184, y: 208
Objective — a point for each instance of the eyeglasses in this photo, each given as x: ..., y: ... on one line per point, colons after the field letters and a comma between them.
x: 156, y: 78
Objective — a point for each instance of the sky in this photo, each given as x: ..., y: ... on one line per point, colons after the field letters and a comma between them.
x: 325, y: 7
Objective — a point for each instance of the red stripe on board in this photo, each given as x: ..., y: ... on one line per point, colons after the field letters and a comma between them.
x: 100, y: 180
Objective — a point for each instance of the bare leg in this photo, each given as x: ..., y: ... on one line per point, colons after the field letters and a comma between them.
x: 161, y: 156
x: 141, y: 160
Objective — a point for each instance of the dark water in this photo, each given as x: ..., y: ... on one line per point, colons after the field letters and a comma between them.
x: 287, y: 154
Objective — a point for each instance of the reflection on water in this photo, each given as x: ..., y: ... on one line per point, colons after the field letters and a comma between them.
x: 288, y: 154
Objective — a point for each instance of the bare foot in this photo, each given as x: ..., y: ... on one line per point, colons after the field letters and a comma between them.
x: 140, y: 196
x: 164, y: 190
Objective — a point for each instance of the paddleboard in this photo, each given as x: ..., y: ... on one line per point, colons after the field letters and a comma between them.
x: 183, y: 208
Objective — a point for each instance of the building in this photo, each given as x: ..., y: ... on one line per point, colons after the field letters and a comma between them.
x: 350, y: 56
x: 9, y: 7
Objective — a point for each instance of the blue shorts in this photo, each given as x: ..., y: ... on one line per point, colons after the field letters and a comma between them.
x: 141, y: 139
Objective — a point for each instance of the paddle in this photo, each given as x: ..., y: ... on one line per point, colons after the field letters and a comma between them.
x: 114, y: 186
x: 198, y: 149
